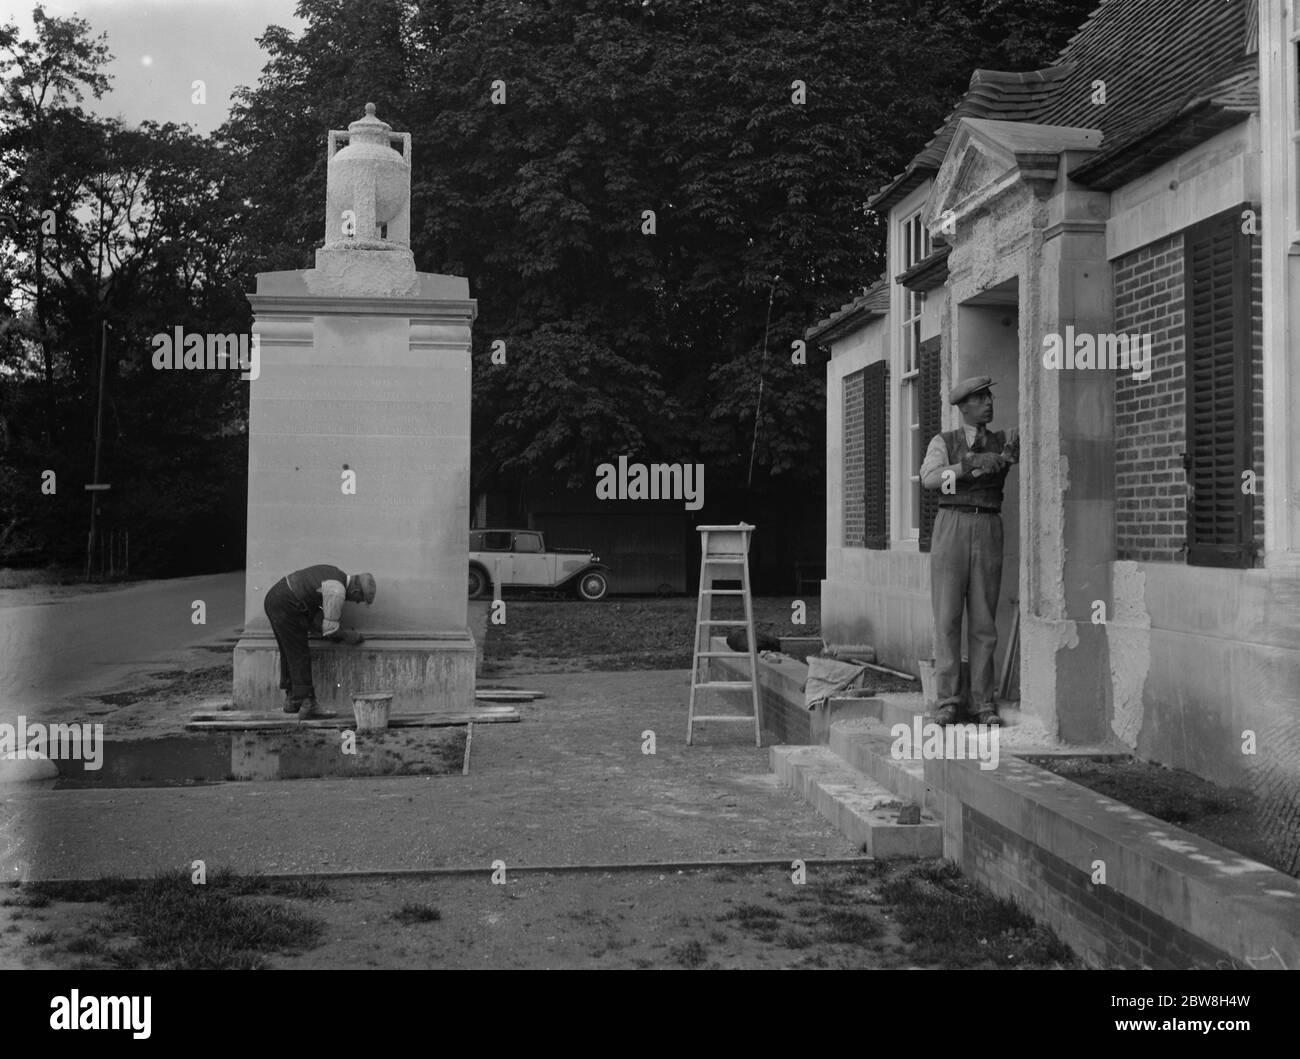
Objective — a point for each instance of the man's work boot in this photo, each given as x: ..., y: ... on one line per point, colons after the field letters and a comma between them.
x: 988, y: 714
x: 310, y: 709
x: 292, y: 705
x: 945, y: 714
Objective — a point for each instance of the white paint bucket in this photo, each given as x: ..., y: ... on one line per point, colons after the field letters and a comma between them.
x: 371, y: 710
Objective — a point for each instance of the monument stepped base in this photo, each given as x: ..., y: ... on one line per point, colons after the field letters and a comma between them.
x: 425, y: 673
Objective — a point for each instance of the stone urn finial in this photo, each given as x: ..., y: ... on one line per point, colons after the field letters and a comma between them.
x: 368, y: 187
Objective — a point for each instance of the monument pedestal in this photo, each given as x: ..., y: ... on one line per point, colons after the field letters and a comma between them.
x: 358, y: 456
x: 435, y: 672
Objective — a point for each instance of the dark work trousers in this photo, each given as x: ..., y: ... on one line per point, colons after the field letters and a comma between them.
x: 291, y: 621
x: 965, y: 575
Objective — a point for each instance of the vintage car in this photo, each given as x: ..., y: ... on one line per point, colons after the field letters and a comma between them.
x: 513, y: 558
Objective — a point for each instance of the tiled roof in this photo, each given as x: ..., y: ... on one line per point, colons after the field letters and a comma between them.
x: 1157, y: 58
x: 1174, y: 130
x: 871, y: 303
x: 992, y: 94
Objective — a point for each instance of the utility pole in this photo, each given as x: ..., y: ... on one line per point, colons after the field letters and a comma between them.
x: 95, y: 488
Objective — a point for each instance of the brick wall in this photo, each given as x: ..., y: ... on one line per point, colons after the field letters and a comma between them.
x: 1105, y: 927
x: 1150, y: 486
x: 1150, y: 414
x: 783, y: 719
x: 852, y: 484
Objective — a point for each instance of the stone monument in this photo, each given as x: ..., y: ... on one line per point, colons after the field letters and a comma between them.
x: 358, y: 448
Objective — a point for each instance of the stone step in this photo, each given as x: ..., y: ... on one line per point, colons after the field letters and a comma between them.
x: 864, y: 812
x: 864, y: 744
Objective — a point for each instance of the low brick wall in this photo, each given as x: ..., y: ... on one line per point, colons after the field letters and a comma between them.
x: 783, y: 718
x: 1169, y: 899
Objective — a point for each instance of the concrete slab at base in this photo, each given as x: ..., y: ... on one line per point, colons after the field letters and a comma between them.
x: 433, y: 673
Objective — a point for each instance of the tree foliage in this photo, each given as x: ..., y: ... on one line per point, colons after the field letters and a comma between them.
x: 619, y: 341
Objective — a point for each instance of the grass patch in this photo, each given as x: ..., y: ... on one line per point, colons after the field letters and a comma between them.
x: 848, y: 926
x: 795, y: 939
x: 41, y: 937
x: 622, y: 634
x: 751, y: 916
x: 26, y: 897
x: 692, y: 955
x: 416, y: 913
x: 951, y: 922
x: 113, y: 887
x: 174, y: 924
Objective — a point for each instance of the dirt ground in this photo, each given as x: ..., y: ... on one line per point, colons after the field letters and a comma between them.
x: 570, y: 784
x: 884, y: 915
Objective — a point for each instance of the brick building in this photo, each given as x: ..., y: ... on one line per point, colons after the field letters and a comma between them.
x: 1142, y: 193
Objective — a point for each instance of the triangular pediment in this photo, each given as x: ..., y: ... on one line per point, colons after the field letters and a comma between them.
x: 977, y: 169
x: 987, y: 157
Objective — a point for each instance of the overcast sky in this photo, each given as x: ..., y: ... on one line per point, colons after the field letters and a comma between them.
x: 161, y: 47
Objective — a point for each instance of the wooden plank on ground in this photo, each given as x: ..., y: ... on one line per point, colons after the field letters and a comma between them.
x: 289, y: 718
x: 286, y: 722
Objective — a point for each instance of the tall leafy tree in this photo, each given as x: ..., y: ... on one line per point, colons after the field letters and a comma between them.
x: 42, y: 127
x: 675, y: 344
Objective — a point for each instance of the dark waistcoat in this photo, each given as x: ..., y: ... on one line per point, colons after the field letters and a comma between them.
x: 305, y: 583
x: 984, y: 491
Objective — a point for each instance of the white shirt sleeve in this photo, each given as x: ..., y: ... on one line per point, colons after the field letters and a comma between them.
x: 332, y: 595
x: 935, y: 463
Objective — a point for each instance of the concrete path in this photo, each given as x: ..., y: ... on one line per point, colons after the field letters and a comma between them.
x: 68, y: 646
x: 569, y: 784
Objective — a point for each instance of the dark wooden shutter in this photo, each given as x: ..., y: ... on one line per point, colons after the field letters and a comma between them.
x: 1219, y: 445
x: 875, y: 398
x: 931, y: 420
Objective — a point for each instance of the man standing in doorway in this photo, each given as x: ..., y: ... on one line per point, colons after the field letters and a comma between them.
x: 311, y: 601
x: 968, y: 466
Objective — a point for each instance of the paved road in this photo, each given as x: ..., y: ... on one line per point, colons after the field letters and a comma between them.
x: 53, y: 651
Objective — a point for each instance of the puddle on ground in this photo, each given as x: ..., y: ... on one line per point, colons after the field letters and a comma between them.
x: 205, y: 758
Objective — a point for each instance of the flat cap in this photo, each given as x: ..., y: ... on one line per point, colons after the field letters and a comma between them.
x: 366, y: 583
x: 967, y: 387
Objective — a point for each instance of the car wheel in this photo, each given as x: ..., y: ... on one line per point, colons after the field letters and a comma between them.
x: 478, y: 583
x: 592, y: 585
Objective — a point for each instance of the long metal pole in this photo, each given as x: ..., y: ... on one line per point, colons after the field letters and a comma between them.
x: 99, y: 424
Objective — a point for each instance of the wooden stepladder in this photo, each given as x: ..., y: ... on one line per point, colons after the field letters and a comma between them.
x: 724, y: 556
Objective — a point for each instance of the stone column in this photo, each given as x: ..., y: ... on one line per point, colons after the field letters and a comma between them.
x: 1069, y: 521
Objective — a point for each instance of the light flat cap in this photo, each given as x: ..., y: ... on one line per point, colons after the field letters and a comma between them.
x: 967, y: 387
